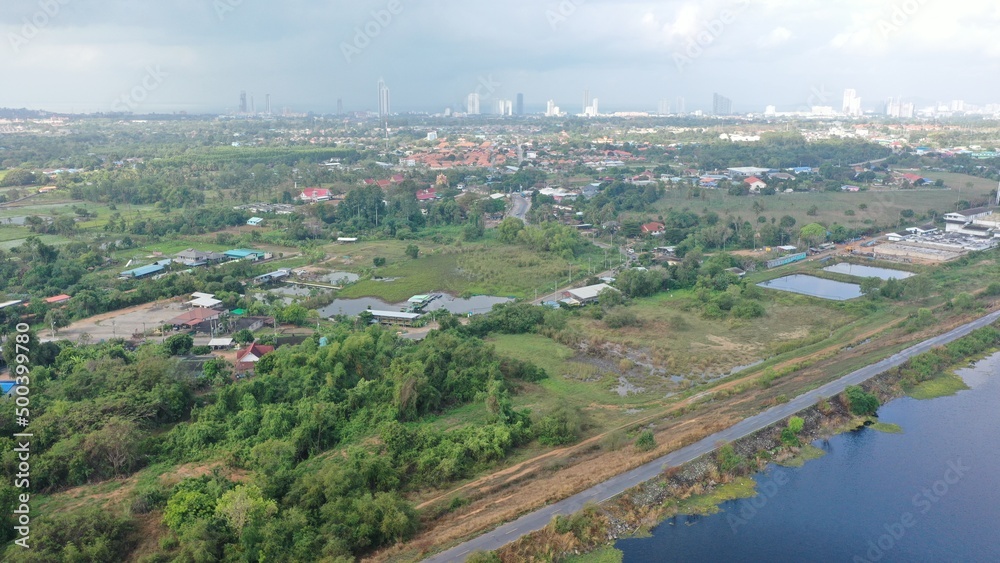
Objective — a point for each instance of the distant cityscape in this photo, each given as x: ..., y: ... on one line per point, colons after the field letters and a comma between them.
x: 817, y: 106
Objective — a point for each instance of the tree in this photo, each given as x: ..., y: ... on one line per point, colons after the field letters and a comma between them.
x: 116, y: 445
x: 787, y: 222
x: 412, y: 251
x: 813, y: 233
x: 178, y: 344
x: 509, y: 229
x: 870, y: 287
x: 378, y: 261
x: 56, y: 319
x: 243, y: 336
x: 813, y: 211
x: 245, y: 506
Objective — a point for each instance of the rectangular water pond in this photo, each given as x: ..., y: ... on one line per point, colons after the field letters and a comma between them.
x: 815, y: 287
x: 885, y: 274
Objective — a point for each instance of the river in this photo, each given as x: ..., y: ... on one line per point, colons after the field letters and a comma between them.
x: 928, y: 494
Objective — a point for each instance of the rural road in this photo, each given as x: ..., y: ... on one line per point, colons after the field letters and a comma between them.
x: 616, y: 485
x: 519, y: 208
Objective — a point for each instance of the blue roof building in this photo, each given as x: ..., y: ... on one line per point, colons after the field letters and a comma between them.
x: 243, y: 254
x: 142, y: 272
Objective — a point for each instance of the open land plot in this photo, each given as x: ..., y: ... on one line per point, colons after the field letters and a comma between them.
x: 477, y: 269
x: 119, y: 324
x: 675, y: 347
x: 883, y: 206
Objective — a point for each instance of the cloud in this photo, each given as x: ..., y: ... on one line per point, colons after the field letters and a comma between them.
x: 778, y: 36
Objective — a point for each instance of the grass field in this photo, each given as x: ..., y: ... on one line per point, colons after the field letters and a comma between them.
x: 575, y: 382
x: 882, y: 206
x: 477, y: 269
x: 674, y: 336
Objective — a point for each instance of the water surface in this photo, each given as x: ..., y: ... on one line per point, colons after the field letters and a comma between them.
x: 868, y: 271
x: 815, y: 287
x: 929, y: 494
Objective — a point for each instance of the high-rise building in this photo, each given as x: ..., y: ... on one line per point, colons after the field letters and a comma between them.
x: 892, y: 107
x: 852, y: 103
x: 267, y: 104
x: 551, y: 109
x: 243, y: 101
x: 770, y: 111
x: 958, y: 105
x: 384, y: 108
x: 664, y: 107
x: 473, y: 105
x: 681, y: 105
x: 721, y: 105
x: 505, y: 107
x: 520, y: 104
x: 586, y: 100
x: 340, y: 106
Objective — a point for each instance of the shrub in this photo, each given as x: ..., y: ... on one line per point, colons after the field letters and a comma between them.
x: 862, y: 403
x: 621, y: 318
x: 646, y: 441
x: 749, y: 310
x: 728, y: 460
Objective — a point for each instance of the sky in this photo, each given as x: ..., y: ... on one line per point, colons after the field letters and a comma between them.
x: 197, y: 55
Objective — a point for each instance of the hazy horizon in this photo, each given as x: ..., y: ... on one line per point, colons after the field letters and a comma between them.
x: 85, y: 56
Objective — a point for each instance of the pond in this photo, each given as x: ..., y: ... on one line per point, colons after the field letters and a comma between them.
x: 476, y: 305
x: 868, y: 271
x: 815, y: 287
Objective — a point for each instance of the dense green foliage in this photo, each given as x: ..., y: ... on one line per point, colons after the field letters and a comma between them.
x: 302, y: 429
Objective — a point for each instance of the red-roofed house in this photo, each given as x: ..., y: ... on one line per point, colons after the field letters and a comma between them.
x: 655, y: 228
x: 315, y: 194
x: 427, y: 195
x: 57, y: 299
x: 247, y: 358
x: 383, y: 184
x: 913, y: 178
x: 755, y: 183
x: 397, y: 179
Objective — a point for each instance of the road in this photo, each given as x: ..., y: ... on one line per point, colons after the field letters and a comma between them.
x: 616, y: 485
x: 519, y: 207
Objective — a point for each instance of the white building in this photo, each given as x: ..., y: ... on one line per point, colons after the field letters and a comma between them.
x: 473, y: 104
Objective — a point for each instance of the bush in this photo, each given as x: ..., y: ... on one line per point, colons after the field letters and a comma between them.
x: 749, y: 310
x: 993, y: 290
x: 201, y: 350
x: 621, y: 318
x: 862, y: 403
x: 645, y: 442
x: 728, y: 460
x: 560, y: 427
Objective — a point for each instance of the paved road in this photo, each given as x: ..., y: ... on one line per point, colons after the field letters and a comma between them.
x: 619, y: 484
x: 519, y: 208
